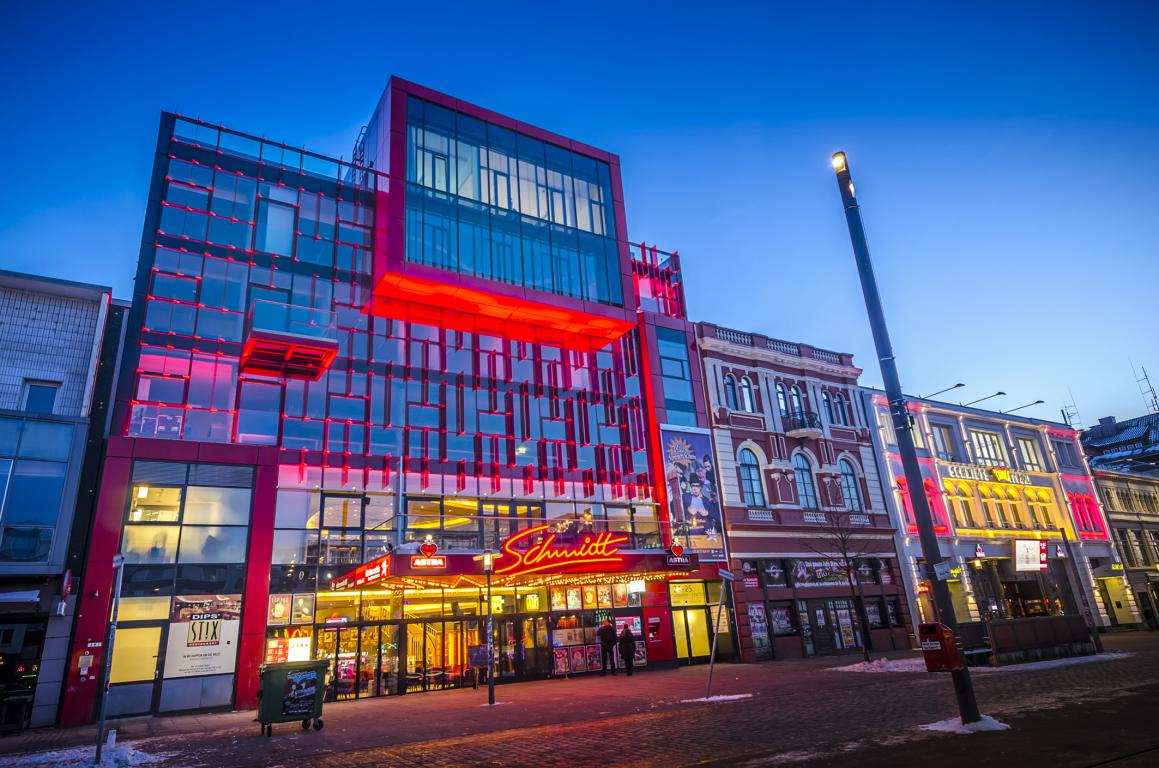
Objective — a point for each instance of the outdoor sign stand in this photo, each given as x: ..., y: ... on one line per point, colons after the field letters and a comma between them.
x: 726, y: 577
x: 119, y: 568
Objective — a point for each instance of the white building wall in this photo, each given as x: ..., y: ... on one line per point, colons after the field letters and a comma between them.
x: 49, y: 338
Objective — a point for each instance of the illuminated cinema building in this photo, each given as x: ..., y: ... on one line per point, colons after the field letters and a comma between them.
x: 343, y: 382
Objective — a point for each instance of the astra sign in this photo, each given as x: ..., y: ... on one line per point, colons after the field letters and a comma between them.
x: 595, y: 552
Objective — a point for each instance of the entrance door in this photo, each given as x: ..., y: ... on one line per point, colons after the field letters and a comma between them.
x: 340, y: 648
x: 690, y: 626
x: 824, y: 640
x: 536, y: 654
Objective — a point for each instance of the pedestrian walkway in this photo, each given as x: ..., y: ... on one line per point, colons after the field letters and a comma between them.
x: 650, y: 719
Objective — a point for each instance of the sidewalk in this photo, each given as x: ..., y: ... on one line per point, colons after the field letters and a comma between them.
x: 653, y: 718
x: 423, y: 716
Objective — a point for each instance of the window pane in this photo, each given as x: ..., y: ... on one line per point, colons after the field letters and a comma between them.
x: 40, y: 398
x: 9, y: 436
x: 142, y: 609
x: 150, y: 543
x: 34, y: 493
x: 135, y: 654
x: 212, y: 544
x: 294, y: 510
x: 155, y: 505
x: 295, y: 547
x: 26, y: 544
x: 217, y: 506
x: 44, y: 440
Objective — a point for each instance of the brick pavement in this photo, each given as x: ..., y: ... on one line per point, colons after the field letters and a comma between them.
x: 796, y: 708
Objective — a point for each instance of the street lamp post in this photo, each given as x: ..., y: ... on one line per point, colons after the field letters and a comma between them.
x: 488, y: 560
x: 987, y: 397
x: 963, y: 688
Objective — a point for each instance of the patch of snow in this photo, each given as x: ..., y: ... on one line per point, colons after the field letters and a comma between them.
x: 1069, y: 661
x: 718, y: 698
x: 120, y: 756
x: 918, y: 664
x: 484, y: 704
x: 885, y: 665
x: 954, y: 725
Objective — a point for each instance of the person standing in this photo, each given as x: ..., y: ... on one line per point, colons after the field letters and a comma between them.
x: 628, y: 648
x: 607, y: 637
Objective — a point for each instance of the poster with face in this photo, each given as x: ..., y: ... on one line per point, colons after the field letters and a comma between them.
x: 303, y: 609
x: 579, y: 658
x: 604, y: 595
x: 693, y: 491
x: 595, y: 662
x: 278, y: 614
x: 203, y: 632
x: 560, y: 657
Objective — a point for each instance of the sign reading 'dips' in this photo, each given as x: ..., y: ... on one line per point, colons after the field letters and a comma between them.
x: 1029, y: 555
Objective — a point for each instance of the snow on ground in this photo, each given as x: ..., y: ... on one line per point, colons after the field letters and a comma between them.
x: 918, y: 664
x: 120, y: 756
x: 954, y: 725
x: 718, y: 698
x: 885, y: 665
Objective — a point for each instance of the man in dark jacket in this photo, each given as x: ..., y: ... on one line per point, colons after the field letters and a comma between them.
x: 628, y: 648
x: 607, y: 637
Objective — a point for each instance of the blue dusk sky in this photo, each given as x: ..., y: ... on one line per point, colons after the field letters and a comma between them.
x: 1004, y: 153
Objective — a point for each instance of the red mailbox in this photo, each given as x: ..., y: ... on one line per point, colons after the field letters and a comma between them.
x: 939, y: 648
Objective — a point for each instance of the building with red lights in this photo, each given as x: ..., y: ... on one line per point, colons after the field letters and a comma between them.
x: 1007, y: 494
x: 343, y: 382
x: 810, y: 537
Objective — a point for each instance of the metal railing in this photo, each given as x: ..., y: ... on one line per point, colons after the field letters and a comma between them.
x: 802, y: 420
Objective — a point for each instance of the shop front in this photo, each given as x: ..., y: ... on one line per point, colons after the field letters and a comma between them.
x: 802, y: 607
x: 416, y: 622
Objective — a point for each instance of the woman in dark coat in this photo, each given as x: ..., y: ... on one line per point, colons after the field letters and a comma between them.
x: 627, y: 643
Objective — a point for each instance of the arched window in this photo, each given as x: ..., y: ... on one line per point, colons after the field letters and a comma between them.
x: 782, y: 400
x: 729, y: 392
x: 747, y: 403
x: 796, y: 401
x: 850, y: 487
x: 752, y: 489
x: 839, y: 408
x: 827, y: 403
x: 803, y: 472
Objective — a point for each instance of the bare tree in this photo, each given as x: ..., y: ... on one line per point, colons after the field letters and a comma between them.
x: 841, y: 535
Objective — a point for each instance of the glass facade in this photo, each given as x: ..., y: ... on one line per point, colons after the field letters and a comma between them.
x: 246, y: 224
x: 485, y: 201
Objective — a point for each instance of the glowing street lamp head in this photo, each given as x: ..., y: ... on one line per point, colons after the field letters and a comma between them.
x: 839, y: 161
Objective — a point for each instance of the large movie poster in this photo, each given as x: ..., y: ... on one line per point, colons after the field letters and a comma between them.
x: 203, y: 633
x: 693, y: 492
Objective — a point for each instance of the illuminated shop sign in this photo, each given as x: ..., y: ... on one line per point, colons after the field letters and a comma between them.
x: 375, y: 570
x: 988, y: 474
x: 426, y: 562
x: 1029, y: 555
x: 594, y: 553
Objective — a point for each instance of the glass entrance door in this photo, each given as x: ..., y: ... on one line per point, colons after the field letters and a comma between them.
x: 534, y: 656
x: 691, y: 629
x: 436, y: 654
x: 378, y: 661
x: 340, y: 648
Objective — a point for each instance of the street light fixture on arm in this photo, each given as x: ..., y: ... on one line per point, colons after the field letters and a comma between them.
x: 987, y: 397
x: 963, y: 688
x: 959, y: 385
x: 1019, y: 408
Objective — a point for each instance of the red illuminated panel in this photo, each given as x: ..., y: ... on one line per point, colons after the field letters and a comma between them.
x: 364, y: 575
x: 403, y: 296
x: 288, y: 357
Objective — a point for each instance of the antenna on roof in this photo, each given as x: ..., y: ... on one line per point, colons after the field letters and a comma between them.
x: 1146, y: 389
x: 1070, y: 413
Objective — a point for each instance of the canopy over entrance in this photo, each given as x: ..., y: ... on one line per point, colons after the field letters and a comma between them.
x: 532, y: 557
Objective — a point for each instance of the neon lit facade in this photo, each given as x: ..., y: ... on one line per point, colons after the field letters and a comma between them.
x: 999, y: 483
x: 328, y: 363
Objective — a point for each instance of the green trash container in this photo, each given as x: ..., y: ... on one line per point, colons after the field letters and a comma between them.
x: 292, y: 691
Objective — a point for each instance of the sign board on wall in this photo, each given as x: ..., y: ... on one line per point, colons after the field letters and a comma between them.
x: 203, y: 632
x: 693, y: 487
x: 1029, y: 555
